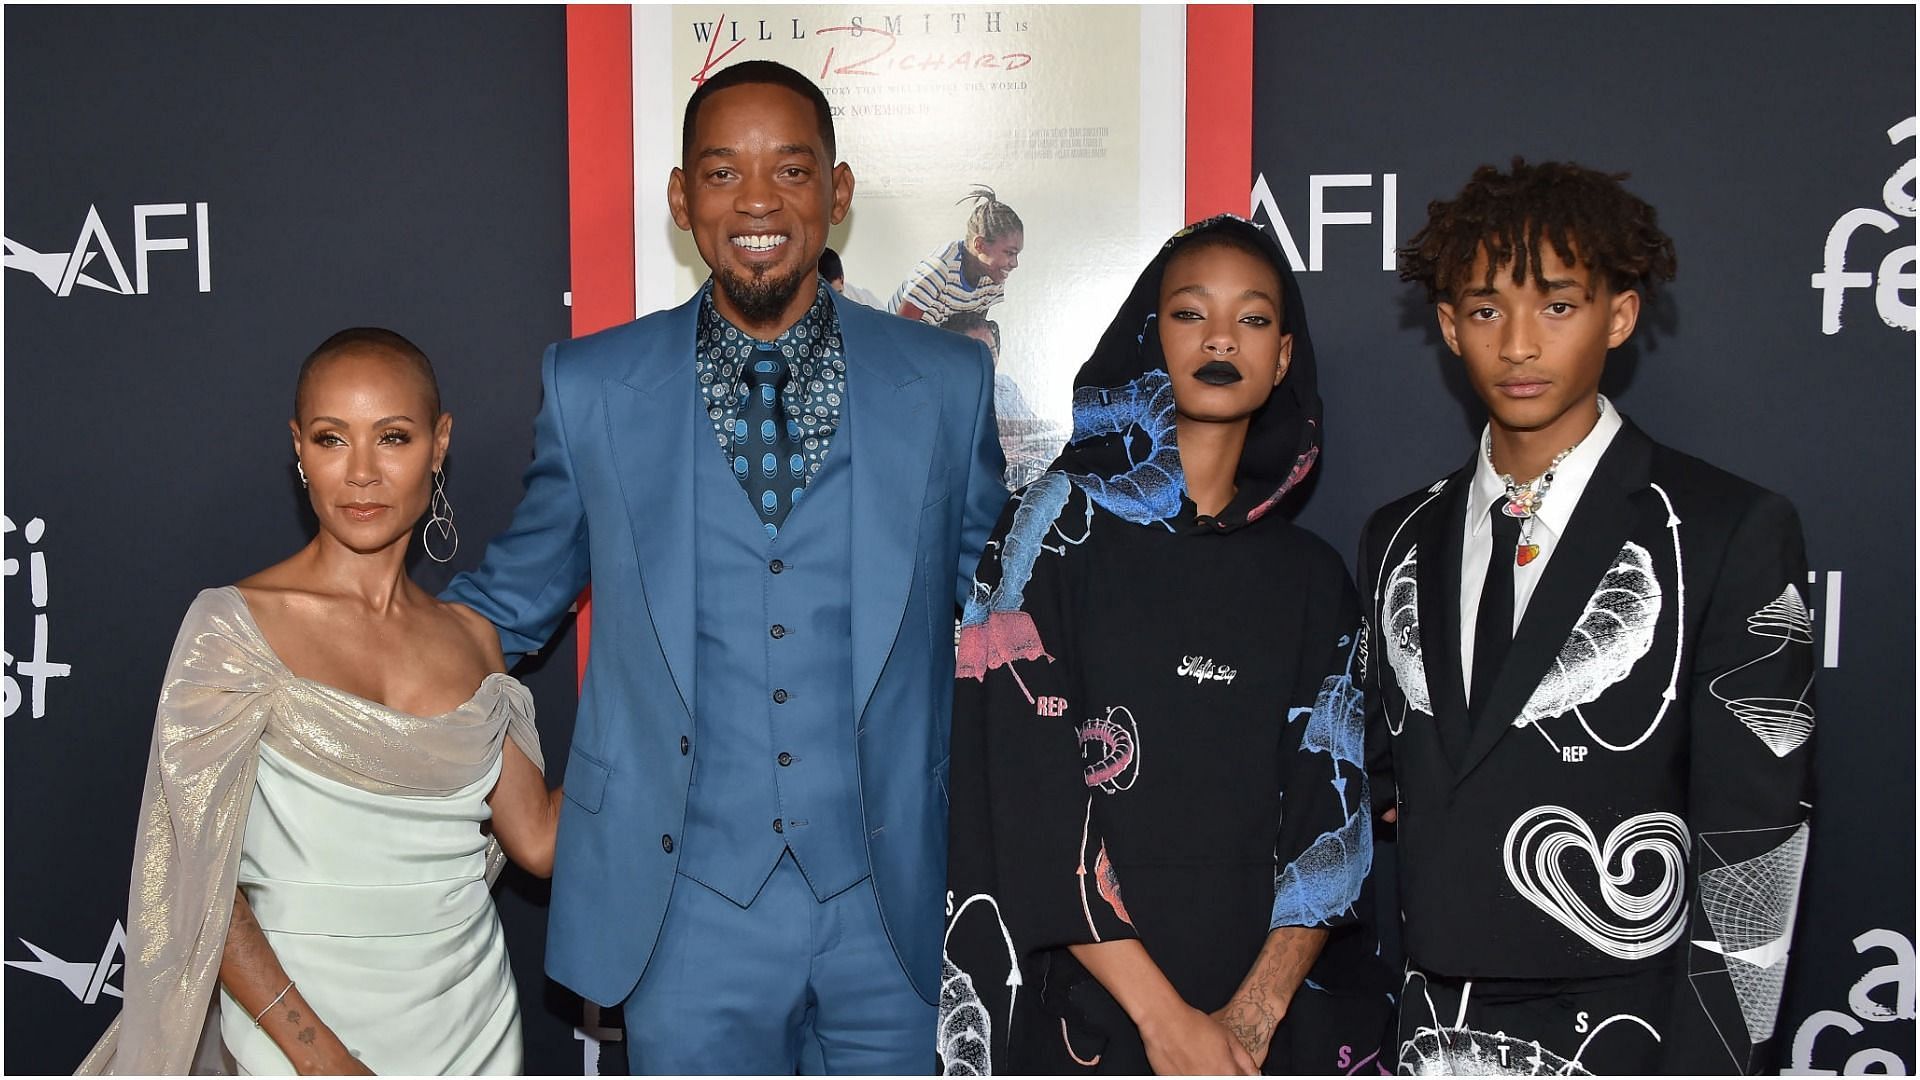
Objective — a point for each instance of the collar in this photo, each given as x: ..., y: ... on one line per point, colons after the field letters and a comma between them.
x: 1569, y: 479
x: 818, y: 330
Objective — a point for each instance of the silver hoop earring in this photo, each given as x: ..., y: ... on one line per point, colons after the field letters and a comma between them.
x: 302, y: 470
x: 440, y: 521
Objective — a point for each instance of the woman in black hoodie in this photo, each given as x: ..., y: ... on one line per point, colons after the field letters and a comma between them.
x: 1159, y: 810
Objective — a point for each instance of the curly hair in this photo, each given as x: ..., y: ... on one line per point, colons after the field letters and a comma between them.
x: 1579, y: 211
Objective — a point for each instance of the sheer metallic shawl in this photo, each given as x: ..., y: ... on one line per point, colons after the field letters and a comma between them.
x: 226, y: 692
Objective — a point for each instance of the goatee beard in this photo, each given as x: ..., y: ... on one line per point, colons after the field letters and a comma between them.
x: 762, y: 297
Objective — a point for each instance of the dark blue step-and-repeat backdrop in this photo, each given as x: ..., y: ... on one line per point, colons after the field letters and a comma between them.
x: 1778, y: 147
x: 196, y: 198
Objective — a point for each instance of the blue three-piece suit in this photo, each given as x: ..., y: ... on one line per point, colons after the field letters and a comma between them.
x: 752, y: 851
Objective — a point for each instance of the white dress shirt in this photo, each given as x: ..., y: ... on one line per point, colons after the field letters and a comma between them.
x: 1549, y: 525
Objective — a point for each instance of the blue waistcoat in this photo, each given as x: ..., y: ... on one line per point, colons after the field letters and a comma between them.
x: 773, y: 754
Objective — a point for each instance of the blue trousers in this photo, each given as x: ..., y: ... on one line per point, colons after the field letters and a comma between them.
x: 788, y: 985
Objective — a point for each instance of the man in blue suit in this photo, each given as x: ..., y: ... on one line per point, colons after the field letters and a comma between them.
x: 778, y: 498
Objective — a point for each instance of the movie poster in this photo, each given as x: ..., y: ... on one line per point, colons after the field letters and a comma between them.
x: 1068, y: 121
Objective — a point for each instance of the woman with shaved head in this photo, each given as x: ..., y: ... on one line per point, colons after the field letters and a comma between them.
x: 338, y: 763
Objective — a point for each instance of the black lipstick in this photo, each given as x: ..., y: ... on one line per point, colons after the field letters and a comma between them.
x: 1217, y: 373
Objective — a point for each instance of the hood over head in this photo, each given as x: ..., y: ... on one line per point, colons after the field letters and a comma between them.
x: 1123, y: 450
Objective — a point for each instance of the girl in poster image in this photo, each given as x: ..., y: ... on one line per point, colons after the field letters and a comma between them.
x: 1154, y: 665
x: 969, y: 274
x: 332, y: 748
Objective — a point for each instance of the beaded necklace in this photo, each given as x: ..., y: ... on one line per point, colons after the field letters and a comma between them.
x: 1525, y: 500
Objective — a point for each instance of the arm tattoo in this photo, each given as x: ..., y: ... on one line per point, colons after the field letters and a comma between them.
x: 1251, y: 1022
x: 293, y: 1017
x: 307, y: 1036
x: 1252, y: 1016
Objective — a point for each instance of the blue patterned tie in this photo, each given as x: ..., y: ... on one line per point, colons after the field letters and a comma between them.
x: 766, y: 444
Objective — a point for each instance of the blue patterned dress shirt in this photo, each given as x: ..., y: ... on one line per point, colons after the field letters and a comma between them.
x: 817, y: 377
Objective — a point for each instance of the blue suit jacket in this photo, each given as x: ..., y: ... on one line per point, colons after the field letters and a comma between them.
x: 609, y: 500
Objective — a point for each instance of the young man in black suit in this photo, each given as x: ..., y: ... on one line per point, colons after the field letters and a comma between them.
x: 1590, y: 667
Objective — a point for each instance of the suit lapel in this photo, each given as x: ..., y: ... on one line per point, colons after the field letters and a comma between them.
x: 1604, y: 519
x: 893, y: 437
x: 654, y: 425
x: 1439, y: 578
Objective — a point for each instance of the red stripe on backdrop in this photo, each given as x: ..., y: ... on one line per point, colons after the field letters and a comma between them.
x: 599, y: 185
x: 1219, y: 109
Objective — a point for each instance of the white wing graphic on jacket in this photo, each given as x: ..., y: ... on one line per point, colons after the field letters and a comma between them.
x: 963, y: 1036
x: 966, y: 1032
x: 1403, y: 632
x: 1613, y: 632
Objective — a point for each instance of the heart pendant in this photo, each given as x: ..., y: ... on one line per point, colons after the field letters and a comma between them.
x: 1525, y: 553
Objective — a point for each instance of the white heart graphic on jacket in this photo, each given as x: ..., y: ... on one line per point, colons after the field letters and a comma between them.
x: 1646, y: 908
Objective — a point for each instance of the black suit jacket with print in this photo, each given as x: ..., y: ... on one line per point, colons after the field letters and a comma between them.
x: 1633, y: 796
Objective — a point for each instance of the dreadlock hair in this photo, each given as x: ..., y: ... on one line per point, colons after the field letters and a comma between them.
x: 991, y: 219
x: 759, y: 73
x: 1579, y: 211
x: 368, y: 339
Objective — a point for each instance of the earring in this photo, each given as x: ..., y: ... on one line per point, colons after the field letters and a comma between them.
x: 302, y: 470
x: 440, y: 521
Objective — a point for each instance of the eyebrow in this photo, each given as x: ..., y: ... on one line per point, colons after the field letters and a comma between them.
x: 1554, y: 285
x: 728, y: 151
x: 1202, y: 290
x: 382, y: 422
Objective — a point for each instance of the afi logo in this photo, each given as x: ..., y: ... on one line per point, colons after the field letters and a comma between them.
x: 1319, y: 216
x: 1883, y: 995
x: 591, y: 1033
x: 1896, y: 269
x: 86, y: 982
x: 1826, y: 615
x: 34, y: 667
x: 94, y: 262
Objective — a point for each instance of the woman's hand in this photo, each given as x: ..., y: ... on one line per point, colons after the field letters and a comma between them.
x: 1264, y: 996
x: 1183, y: 1041
x: 1251, y: 1022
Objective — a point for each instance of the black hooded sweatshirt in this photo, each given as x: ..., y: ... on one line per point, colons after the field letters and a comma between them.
x: 1157, y: 730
